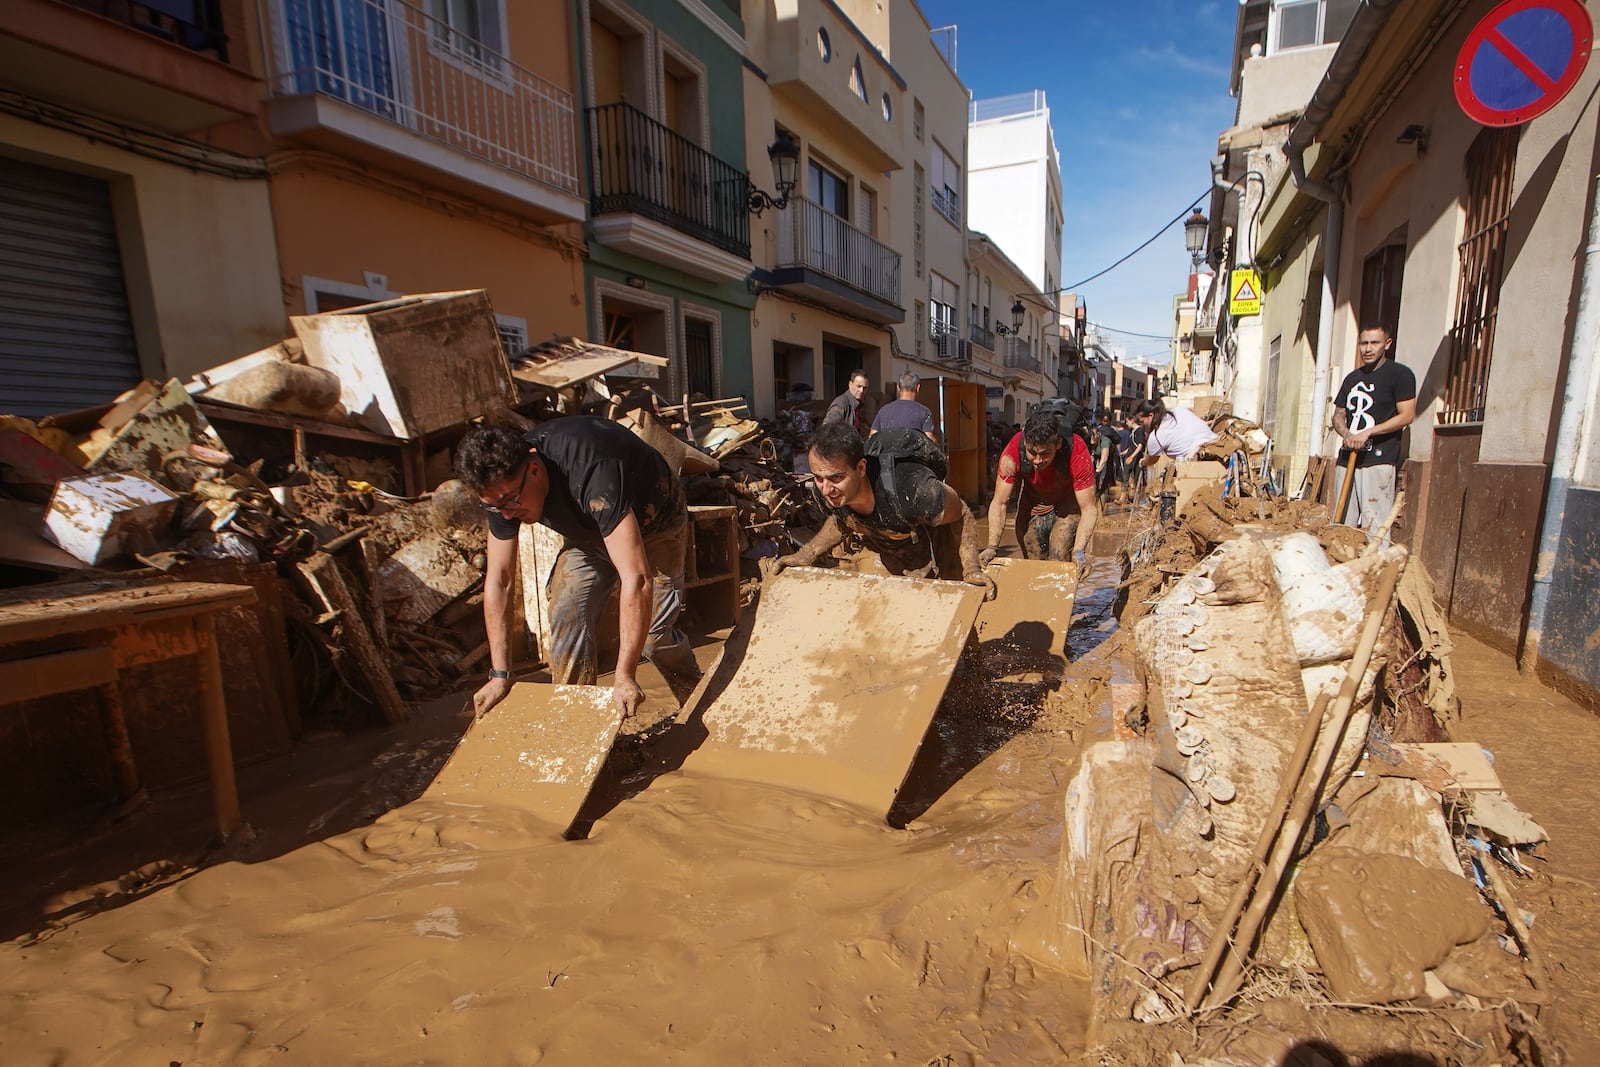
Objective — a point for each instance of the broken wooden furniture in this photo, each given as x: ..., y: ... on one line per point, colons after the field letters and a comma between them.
x: 80, y: 636
x: 711, y: 566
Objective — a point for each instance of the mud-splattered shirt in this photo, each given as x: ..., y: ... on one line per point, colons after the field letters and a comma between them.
x: 918, y: 499
x: 599, y: 471
x: 1056, y: 482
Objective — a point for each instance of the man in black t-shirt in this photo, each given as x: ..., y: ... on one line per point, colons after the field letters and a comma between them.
x: 1376, y: 401
x: 622, y: 513
x: 919, y: 526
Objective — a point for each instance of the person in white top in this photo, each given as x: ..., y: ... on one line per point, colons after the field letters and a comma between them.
x: 1178, y: 433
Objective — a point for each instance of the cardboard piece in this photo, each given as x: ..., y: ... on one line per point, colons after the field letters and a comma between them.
x: 1026, y: 623
x: 540, y: 749
x: 835, y: 684
x: 1444, y: 767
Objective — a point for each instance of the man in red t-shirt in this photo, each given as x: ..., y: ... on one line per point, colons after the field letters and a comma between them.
x: 1058, y: 509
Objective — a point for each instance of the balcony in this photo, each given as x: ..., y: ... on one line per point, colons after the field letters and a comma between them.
x: 162, y: 64
x: 656, y: 194
x: 982, y: 336
x: 1019, y: 356
x: 947, y: 202
x: 824, y: 258
x: 384, y: 82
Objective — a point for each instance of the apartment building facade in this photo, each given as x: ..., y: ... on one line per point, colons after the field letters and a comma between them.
x: 427, y: 146
x: 1476, y: 243
x: 669, y: 231
x: 1008, y: 330
x: 185, y: 176
x: 133, y: 241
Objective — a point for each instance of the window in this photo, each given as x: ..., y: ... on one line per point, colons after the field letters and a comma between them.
x: 1491, y: 162
x: 918, y: 119
x: 943, y: 295
x: 699, y: 359
x: 828, y: 189
x: 471, y: 29
x: 919, y: 180
x: 1381, y: 275
x: 867, y: 218
x: 1304, y: 23
x: 1269, y: 399
x: 513, y: 334
x: 946, y: 180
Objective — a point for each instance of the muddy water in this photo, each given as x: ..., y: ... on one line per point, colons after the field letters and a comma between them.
x: 701, y: 921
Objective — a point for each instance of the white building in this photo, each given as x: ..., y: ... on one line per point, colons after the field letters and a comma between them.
x: 1014, y: 186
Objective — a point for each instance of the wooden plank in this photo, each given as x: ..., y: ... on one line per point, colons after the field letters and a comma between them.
x: 540, y: 749
x: 32, y: 613
x: 214, y: 717
x: 154, y: 642
x: 55, y: 672
x: 322, y: 573
x: 1444, y: 767
x: 831, y: 683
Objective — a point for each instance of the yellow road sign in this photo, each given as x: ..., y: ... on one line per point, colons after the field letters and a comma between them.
x: 1244, y: 293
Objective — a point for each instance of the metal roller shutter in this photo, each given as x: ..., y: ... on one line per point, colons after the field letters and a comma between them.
x: 66, y: 340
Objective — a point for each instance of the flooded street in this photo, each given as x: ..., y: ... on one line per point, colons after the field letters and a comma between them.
x: 701, y: 919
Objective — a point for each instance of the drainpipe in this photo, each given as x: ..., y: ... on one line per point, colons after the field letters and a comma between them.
x: 1573, y: 437
x: 1365, y: 26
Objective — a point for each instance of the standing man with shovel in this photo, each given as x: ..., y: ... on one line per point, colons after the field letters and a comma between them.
x: 1376, y: 401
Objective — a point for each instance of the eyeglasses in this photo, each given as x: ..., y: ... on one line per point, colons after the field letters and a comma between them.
x: 499, y: 507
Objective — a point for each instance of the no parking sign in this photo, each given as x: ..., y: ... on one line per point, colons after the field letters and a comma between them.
x: 1522, y: 59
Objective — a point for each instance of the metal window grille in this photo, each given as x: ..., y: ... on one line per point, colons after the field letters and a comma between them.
x: 1490, y: 165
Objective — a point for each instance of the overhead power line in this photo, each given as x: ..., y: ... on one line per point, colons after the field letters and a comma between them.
x: 1176, y: 218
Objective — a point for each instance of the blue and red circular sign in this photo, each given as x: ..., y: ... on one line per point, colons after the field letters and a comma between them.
x: 1522, y: 59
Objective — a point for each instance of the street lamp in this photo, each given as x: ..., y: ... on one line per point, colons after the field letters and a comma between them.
x: 1017, y: 313
x: 1194, y: 236
x: 785, y: 155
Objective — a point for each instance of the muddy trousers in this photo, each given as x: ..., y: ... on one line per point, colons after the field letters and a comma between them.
x: 580, y: 587
x: 935, y: 552
x: 1371, y: 497
x: 1047, y: 536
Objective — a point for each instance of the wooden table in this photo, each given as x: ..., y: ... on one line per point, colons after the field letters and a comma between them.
x: 61, y: 638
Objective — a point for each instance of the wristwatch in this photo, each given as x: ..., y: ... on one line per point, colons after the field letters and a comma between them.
x: 499, y: 674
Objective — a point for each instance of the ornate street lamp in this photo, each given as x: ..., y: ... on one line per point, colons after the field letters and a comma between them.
x: 1194, y: 236
x: 785, y: 155
x: 1017, y: 313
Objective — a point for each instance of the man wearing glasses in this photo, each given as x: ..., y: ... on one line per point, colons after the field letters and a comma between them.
x: 622, y: 512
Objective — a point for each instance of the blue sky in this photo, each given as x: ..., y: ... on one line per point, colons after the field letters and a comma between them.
x: 1138, y: 91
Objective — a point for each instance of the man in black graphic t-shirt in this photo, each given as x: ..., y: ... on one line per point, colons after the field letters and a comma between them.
x: 622, y: 513
x: 916, y: 523
x: 1376, y: 401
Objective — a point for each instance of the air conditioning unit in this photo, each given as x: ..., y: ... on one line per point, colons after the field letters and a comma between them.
x: 964, y: 351
x: 942, y: 344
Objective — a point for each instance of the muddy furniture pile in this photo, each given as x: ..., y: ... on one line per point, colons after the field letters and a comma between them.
x: 1264, y: 830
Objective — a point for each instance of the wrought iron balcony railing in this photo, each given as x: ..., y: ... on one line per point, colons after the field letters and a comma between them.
x: 1019, y: 356
x: 396, y: 61
x: 982, y: 335
x: 947, y: 202
x: 810, y: 236
x: 642, y: 167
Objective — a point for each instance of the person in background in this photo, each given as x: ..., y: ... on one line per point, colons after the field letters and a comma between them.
x: 624, y: 517
x: 848, y: 408
x: 1178, y: 433
x: 905, y: 411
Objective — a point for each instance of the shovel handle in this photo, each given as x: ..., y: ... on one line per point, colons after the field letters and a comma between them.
x: 1344, y: 490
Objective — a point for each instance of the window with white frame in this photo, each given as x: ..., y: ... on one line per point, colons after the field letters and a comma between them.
x: 945, y: 182
x: 473, y: 30
x: 1305, y: 23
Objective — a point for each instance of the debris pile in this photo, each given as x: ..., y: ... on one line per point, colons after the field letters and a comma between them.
x: 325, y: 461
x: 1282, y: 818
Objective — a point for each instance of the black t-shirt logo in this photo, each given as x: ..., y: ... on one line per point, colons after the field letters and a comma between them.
x: 1359, y: 404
